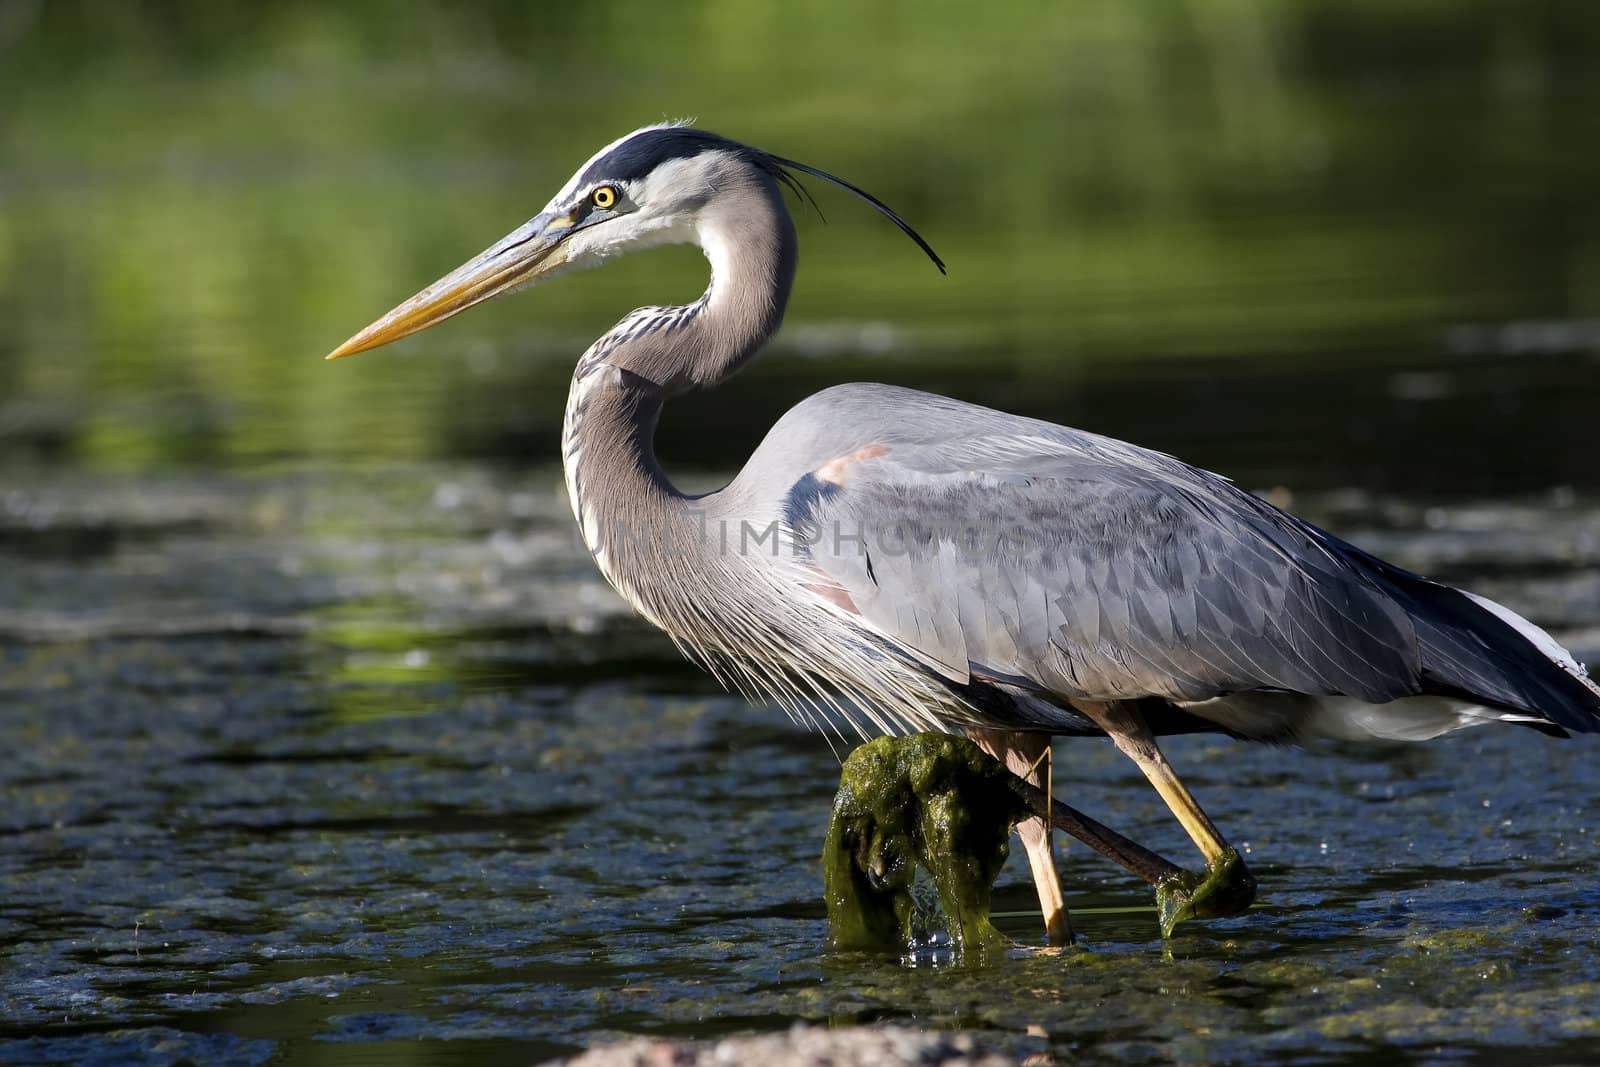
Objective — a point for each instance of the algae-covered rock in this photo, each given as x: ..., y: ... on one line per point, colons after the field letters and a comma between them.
x: 929, y: 800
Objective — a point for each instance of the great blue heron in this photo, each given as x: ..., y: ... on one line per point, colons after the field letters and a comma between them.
x: 912, y: 562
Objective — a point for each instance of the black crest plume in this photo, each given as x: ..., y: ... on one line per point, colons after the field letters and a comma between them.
x: 781, y: 167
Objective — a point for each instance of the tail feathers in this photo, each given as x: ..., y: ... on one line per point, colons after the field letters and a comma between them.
x: 1474, y: 648
x: 1542, y: 641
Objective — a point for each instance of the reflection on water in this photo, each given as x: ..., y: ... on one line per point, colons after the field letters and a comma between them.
x: 372, y: 756
x: 1380, y: 196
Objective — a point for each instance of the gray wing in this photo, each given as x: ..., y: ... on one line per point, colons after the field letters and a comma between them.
x: 1091, y: 568
x: 1008, y: 550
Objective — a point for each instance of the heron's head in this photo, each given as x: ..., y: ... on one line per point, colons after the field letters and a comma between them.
x: 658, y: 185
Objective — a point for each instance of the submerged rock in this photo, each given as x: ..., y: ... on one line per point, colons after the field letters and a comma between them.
x: 931, y: 801
x: 859, y: 1046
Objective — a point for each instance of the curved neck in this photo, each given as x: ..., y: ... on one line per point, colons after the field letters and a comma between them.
x: 631, y: 515
x: 749, y: 239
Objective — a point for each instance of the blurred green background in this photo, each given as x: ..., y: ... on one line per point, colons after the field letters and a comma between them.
x: 1307, y: 241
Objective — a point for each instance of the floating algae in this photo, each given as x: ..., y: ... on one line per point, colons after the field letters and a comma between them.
x: 930, y: 800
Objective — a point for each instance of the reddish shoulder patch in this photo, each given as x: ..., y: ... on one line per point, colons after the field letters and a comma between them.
x: 834, y: 595
x: 836, y: 470
x: 831, y: 591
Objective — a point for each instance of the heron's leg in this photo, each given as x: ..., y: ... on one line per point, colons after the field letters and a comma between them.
x: 1025, y: 755
x: 1227, y: 887
x: 1131, y: 734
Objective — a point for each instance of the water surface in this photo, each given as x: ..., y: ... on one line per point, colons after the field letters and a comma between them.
x: 368, y: 765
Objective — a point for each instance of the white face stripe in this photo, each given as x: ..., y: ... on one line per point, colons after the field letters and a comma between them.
x: 665, y: 209
x: 570, y: 190
x: 690, y: 179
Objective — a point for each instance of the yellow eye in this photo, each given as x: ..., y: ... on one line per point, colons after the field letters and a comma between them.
x: 605, y: 196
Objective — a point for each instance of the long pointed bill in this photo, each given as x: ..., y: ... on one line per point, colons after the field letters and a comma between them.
x: 515, y: 261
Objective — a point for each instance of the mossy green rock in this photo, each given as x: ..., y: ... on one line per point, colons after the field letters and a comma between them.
x: 929, y: 800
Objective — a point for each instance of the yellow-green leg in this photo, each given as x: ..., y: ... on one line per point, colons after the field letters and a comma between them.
x: 1228, y: 888
x: 1026, y: 756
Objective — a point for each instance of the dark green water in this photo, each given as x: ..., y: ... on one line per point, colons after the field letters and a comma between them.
x: 321, y: 740
x: 368, y: 766
x: 1389, y: 205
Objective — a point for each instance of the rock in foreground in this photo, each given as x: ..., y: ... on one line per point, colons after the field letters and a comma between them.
x: 860, y: 1046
